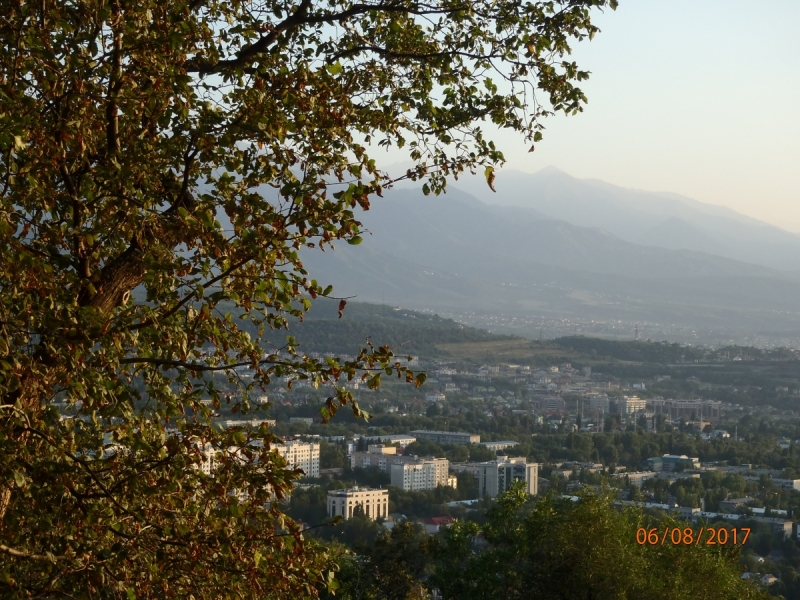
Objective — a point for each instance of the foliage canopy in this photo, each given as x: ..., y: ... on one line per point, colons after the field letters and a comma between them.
x: 586, y: 549
x: 161, y: 160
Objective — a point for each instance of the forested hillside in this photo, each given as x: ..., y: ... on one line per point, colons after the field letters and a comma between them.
x: 406, y: 331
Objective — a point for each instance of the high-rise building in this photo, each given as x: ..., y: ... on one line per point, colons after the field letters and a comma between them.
x: 497, y: 476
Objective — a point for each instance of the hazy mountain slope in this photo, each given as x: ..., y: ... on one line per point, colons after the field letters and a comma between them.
x: 455, y: 253
x: 456, y: 233
x: 652, y: 219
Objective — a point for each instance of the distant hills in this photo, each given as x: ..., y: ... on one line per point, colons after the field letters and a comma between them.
x: 555, y: 246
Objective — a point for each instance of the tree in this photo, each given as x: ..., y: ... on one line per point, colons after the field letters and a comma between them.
x: 161, y: 165
x: 331, y: 456
x: 557, y: 548
x: 389, y: 568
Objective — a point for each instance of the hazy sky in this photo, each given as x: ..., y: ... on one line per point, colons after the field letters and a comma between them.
x: 697, y: 97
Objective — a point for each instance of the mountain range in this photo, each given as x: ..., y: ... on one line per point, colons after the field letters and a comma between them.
x: 552, y: 246
x: 663, y: 220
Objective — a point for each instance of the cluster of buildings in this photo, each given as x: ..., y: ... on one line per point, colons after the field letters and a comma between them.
x: 546, y: 389
x: 415, y: 473
x: 298, y: 454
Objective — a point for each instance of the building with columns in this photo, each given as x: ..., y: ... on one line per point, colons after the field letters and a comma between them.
x: 374, y: 503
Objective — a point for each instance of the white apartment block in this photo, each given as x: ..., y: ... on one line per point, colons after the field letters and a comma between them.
x: 420, y: 474
x: 496, y: 476
x: 300, y: 455
x: 374, y: 503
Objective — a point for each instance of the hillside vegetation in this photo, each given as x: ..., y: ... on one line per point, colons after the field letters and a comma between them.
x: 406, y: 331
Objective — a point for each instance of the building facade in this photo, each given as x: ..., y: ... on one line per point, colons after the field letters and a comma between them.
x: 672, y: 462
x: 385, y: 458
x: 501, y: 445
x: 300, y: 455
x: 374, y: 503
x: 420, y: 474
x: 401, y: 440
x: 447, y: 437
x: 628, y: 405
x: 496, y: 476
x: 689, y: 409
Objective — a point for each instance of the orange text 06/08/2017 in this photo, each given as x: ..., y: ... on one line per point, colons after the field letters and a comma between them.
x: 687, y: 536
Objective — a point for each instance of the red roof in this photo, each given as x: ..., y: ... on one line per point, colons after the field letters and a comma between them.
x: 439, y: 521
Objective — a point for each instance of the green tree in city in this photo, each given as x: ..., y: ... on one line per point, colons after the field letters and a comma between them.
x: 389, y: 569
x: 331, y: 456
x: 558, y: 548
x: 162, y: 163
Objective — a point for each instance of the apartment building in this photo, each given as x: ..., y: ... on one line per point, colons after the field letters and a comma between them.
x: 385, y: 457
x: 300, y: 455
x: 420, y: 474
x: 496, y: 476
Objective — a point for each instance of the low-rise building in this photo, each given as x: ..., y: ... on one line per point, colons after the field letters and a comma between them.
x: 734, y: 504
x: 637, y: 478
x: 787, y: 484
x: 434, y: 524
x: 502, y: 445
x: 447, y: 437
x: 373, y: 502
x: 672, y: 462
x: 400, y: 440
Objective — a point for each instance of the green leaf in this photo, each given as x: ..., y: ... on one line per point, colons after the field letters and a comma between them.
x: 355, y: 240
x: 19, y: 479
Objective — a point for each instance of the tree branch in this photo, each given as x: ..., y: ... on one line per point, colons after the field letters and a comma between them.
x: 23, y: 554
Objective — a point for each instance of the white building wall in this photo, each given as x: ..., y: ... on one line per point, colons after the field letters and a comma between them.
x: 375, y: 503
x: 301, y: 455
